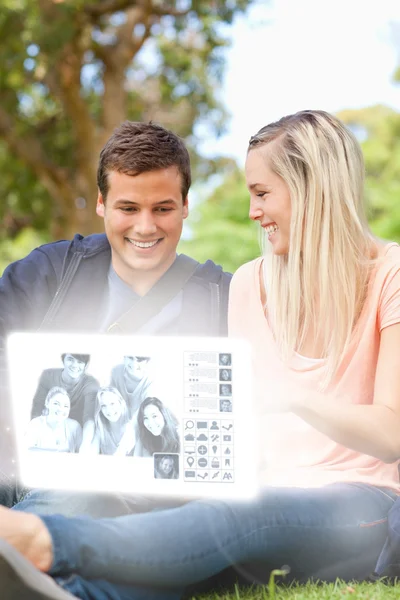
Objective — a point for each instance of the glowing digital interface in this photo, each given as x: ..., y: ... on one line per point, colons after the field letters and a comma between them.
x: 158, y: 416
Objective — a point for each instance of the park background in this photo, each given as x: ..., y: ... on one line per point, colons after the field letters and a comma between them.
x: 213, y: 71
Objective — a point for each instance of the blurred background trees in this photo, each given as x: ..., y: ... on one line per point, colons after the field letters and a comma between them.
x: 72, y: 70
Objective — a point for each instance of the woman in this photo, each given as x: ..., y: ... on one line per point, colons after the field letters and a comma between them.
x: 166, y: 466
x: 108, y: 432
x: 322, y: 312
x: 53, y: 430
x: 81, y: 387
x: 157, y: 429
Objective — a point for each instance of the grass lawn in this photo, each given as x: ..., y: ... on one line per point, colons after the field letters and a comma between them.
x: 327, y: 591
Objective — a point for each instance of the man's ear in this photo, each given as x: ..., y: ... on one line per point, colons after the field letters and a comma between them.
x: 186, y: 207
x: 100, y: 207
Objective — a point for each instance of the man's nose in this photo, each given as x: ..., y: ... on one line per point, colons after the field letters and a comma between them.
x: 145, y: 224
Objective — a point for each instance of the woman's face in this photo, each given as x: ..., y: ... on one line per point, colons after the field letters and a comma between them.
x: 58, y: 407
x: 166, y: 465
x: 270, y: 202
x: 153, y: 419
x: 73, y: 367
x: 110, y: 406
x: 225, y: 375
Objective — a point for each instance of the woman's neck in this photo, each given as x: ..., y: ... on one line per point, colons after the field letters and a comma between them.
x: 54, y: 423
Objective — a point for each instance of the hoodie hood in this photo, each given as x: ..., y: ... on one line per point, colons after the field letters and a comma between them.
x: 90, y: 245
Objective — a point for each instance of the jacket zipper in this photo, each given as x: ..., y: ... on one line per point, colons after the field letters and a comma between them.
x: 61, y: 290
x: 215, y: 307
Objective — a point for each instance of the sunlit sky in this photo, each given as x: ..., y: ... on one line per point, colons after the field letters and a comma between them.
x: 288, y: 55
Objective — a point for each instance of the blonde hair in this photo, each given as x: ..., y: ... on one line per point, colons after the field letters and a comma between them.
x: 321, y: 284
x: 102, y: 424
x: 50, y: 394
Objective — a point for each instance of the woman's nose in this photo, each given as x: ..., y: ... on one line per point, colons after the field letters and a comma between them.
x: 255, y: 211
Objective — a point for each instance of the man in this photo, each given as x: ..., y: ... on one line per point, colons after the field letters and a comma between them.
x: 225, y: 405
x: 132, y: 381
x: 81, y: 387
x: 115, y: 281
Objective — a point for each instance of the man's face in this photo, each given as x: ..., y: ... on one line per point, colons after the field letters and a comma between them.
x: 74, y: 367
x: 143, y: 219
x: 136, y: 367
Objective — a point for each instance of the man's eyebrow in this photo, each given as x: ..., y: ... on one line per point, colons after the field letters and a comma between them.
x: 132, y: 203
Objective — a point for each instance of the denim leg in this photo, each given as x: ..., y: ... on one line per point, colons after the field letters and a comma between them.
x: 335, y: 531
x: 98, y: 589
x: 73, y: 504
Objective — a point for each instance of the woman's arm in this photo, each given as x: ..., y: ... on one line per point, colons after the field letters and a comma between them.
x: 128, y: 440
x: 32, y: 432
x: 90, y: 439
x: 370, y: 429
x: 74, y: 435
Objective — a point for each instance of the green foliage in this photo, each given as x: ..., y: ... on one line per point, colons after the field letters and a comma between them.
x: 339, y: 590
x: 20, y: 246
x: 24, y: 201
x: 221, y: 227
x: 379, y: 130
x: 72, y: 70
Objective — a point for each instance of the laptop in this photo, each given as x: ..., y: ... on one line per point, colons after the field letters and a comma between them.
x: 162, y: 416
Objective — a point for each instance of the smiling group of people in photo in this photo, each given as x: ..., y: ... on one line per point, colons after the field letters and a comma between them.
x: 71, y: 412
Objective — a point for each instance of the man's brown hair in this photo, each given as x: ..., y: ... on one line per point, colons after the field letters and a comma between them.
x: 136, y: 148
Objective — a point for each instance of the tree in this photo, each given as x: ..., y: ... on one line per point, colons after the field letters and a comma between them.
x: 221, y: 227
x: 378, y: 128
x: 73, y: 70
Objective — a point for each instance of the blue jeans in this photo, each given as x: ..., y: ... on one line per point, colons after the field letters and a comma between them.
x: 325, y: 533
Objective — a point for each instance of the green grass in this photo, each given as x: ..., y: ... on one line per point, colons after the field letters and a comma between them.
x: 328, y: 591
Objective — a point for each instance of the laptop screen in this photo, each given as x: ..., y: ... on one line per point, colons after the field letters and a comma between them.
x: 146, y: 415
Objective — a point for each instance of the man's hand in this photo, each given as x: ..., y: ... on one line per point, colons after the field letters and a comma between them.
x: 29, y: 535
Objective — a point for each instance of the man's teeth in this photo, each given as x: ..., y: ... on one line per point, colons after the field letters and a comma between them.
x: 271, y: 229
x: 143, y: 244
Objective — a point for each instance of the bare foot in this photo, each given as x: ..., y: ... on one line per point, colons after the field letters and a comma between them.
x: 29, y: 535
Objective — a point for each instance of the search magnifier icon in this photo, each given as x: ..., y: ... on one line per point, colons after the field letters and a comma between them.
x: 189, y: 424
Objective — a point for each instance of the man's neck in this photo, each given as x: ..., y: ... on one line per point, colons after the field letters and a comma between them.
x: 67, y: 380
x: 142, y: 281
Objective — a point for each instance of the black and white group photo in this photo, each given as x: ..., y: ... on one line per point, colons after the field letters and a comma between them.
x: 122, y: 415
